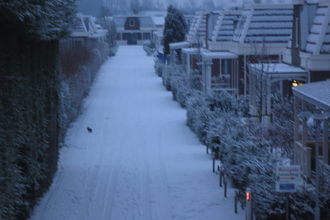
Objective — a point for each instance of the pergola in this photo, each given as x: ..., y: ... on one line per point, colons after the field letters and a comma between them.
x: 213, y: 63
x: 264, y: 80
x: 312, y: 126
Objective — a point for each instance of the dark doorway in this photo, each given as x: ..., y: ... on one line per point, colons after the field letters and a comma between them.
x: 132, y: 39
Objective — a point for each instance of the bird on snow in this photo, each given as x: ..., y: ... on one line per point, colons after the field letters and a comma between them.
x: 89, y: 130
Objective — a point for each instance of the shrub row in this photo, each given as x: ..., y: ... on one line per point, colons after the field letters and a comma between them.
x: 248, y: 153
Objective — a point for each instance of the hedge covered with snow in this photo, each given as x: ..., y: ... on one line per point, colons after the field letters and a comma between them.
x: 79, y: 64
x: 248, y: 154
x: 41, y: 19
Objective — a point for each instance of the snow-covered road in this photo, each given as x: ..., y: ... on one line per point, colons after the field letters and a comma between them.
x: 140, y: 162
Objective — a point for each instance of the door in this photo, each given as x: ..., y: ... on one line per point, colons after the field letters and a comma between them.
x: 132, y: 39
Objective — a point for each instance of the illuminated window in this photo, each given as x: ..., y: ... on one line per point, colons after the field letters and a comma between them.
x: 296, y: 83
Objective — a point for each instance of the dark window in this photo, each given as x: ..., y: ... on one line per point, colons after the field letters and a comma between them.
x: 125, y: 36
x: 215, y: 67
x: 138, y: 36
x: 146, y: 36
x: 131, y: 23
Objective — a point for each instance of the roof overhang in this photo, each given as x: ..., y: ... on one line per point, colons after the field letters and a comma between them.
x: 279, y: 71
x: 316, y: 62
x: 193, y: 50
x: 209, y: 55
x: 179, y: 45
x: 316, y: 93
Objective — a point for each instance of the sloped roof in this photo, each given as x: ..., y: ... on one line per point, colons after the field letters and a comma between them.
x: 78, y: 25
x: 317, y: 93
x: 318, y: 41
x: 225, y: 26
x: 84, y: 26
x: 265, y: 24
x: 197, y: 28
x: 120, y: 21
x: 158, y: 20
x: 145, y: 21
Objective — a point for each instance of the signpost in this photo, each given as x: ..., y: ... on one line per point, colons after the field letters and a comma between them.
x: 287, y: 178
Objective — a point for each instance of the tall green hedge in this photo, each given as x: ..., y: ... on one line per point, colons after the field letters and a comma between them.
x: 28, y: 137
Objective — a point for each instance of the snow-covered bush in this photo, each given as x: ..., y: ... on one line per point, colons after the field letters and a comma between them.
x: 222, y: 121
x: 198, y: 114
x: 166, y: 76
x: 281, y: 131
x: 159, y: 67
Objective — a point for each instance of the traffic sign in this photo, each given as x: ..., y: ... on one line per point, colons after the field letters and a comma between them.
x: 287, y: 178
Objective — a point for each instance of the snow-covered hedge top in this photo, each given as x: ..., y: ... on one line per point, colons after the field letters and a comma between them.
x: 42, y: 19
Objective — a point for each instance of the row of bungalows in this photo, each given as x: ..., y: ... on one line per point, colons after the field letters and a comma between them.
x: 230, y: 40
x: 304, y: 72
x: 266, y: 50
x: 134, y: 30
x: 84, y: 31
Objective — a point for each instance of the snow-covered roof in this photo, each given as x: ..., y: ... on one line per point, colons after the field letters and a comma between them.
x: 197, y: 28
x: 318, y: 41
x: 265, y: 24
x: 225, y: 25
x: 218, y: 55
x: 179, y: 45
x: 78, y: 25
x: 145, y: 21
x: 279, y: 70
x: 193, y: 50
x: 120, y: 21
x: 158, y: 21
x: 84, y: 26
x: 316, y: 93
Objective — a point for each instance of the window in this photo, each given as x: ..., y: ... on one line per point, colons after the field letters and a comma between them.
x: 131, y: 23
x: 146, y: 36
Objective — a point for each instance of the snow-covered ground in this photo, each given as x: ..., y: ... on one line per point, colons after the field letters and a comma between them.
x: 140, y: 162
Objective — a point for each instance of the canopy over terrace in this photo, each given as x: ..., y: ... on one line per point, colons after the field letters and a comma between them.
x: 266, y: 79
x: 220, y: 71
x: 312, y: 141
x: 177, y: 46
x: 192, y: 59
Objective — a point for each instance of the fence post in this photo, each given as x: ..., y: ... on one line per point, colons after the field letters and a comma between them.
x: 220, y: 176
x: 248, y: 208
x: 225, y: 186
x: 235, y: 202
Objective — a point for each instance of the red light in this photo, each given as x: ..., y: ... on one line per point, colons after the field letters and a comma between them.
x: 248, y: 196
